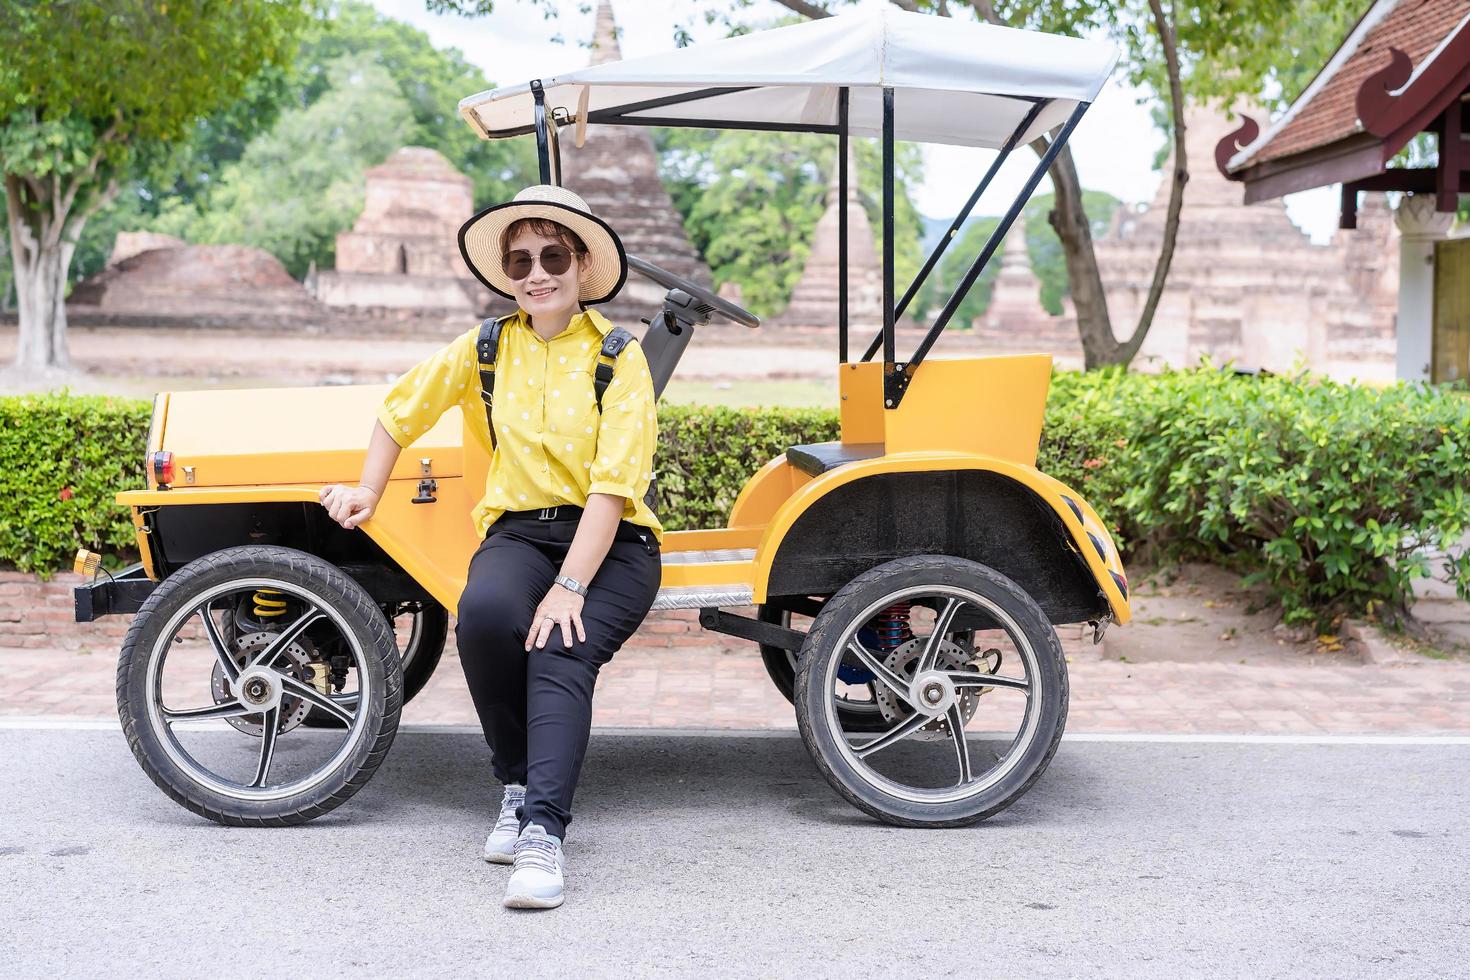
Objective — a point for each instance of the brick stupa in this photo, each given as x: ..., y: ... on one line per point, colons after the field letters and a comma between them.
x: 1015, y: 319
x: 403, y: 251
x: 616, y: 173
x: 1246, y: 284
x: 814, y: 299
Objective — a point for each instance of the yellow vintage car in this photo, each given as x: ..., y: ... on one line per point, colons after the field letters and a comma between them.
x: 906, y: 579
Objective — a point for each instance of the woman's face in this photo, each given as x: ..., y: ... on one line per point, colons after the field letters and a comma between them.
x: 541, y: 293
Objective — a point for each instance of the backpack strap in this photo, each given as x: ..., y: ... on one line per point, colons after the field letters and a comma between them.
x: 612, y: 345
x: 486, y: 348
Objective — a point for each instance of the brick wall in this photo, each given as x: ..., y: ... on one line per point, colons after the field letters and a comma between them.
x: 37, y: 615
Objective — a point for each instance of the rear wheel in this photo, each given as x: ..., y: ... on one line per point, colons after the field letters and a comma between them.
x: 215, y: 716
x: 974, y: 697
x: 858, y: 703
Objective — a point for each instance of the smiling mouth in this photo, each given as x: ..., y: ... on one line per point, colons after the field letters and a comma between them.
x: 540, y: 293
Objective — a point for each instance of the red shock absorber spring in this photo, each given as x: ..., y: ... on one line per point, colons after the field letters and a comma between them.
x: 892, y: 626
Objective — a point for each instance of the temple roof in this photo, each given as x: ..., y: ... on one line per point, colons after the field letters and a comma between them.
x: 1399, y: 68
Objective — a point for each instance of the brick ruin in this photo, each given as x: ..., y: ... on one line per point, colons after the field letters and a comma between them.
x: 403, y: 251
x: 151, y: 277
x: 616, y: 173
x: 1245, y: 283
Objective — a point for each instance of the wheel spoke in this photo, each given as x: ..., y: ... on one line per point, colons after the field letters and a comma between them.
x: 228, y: 709
x: 942, y: 619
x: 956, y: 719
x: 217, y: 641
x: 969, y: 678
x: 311, y: 694
x: 895, y: 734
x: 895, y: 683
x: 267, y: 657
x: 271, y: 722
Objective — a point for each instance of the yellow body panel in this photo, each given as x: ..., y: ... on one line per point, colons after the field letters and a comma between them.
x: 278, y: 445
x: 1044, y: 487
x: 987, y: 406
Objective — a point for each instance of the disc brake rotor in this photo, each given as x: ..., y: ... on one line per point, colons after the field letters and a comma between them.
x: 904, y: 659
x: 294, y: 661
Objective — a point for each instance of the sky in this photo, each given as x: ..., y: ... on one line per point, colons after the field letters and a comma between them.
x: 1114, y: 145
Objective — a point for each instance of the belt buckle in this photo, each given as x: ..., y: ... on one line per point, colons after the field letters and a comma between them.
x: 546, y: 514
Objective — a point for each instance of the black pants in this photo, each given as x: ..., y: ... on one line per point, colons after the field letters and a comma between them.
x: 536, y: 707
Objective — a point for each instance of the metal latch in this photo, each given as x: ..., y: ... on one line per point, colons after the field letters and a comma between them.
x: 428, y: 486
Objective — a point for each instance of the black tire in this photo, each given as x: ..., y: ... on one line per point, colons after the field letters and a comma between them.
x: 345, y: 604
x: 1046, y: 704
x: 419, y: 655
x: 780, y: 666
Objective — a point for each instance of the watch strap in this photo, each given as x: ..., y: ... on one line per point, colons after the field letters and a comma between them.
x: 572, y: 585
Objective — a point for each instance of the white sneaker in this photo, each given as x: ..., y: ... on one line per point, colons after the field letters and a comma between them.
x: 500, y: 846
x: 537, y: 880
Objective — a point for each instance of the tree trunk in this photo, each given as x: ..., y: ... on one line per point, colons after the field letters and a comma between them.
x: 43, y: 237
x: 1069, y: 220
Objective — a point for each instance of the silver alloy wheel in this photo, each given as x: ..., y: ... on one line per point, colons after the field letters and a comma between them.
x: 258, y: 690
x: 931, y: 696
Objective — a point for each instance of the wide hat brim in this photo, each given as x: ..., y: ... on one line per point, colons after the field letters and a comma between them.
x: 604, y: 269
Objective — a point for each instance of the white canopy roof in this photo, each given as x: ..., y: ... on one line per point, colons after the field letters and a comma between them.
x: 954, y: 81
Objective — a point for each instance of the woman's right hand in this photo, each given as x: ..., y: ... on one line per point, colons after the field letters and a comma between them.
x: 348, y: 506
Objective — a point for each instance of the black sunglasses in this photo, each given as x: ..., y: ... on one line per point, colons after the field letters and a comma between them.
x: 555, y: 259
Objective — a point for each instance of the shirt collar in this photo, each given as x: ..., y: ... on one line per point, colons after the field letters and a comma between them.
x: 601, y: 323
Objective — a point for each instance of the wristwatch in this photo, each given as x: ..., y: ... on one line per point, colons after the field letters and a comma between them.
x: 571, y: 585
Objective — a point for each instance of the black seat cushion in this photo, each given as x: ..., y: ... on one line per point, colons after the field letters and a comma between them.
x: 819, y: 457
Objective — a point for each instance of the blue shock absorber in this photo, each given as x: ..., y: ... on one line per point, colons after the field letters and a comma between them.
x: 883, y: 633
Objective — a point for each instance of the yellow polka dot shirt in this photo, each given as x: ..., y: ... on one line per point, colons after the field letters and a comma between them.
x: 552, y: 445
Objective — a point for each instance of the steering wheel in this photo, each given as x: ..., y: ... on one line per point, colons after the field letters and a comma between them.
x: 709, y: 302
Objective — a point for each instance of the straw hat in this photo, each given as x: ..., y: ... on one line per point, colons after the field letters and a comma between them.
x: 603, y: 269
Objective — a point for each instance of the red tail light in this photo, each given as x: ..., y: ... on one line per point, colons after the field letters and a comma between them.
x: 163, y: 467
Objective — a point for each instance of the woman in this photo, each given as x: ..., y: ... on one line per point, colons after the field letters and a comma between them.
x: 569, y: 563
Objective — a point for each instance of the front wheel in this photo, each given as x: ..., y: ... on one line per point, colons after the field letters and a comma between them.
x: 972, y: 687
x: 215, y: 716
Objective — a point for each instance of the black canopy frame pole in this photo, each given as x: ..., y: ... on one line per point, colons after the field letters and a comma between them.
x: 543, y: 139
x: 891, y: 370
x: 996, y: 237
x: 954, y: 227
x: 842, y: 144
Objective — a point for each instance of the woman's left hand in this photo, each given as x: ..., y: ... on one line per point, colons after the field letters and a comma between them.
x: 560, y: 607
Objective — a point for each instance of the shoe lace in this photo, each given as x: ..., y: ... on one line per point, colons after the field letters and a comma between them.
x: 539, y: 853
x: 508, y: 819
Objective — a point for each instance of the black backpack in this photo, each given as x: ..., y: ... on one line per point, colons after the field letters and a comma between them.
x: 488, y: 346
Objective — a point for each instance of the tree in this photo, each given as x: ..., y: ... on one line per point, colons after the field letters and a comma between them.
x: 751, y: 200
x: 297, y: 185
x: 432, y: 81
x: 1213, y: 49
x: 1042, y: 247
x: 91, y: 92
x: 408, y: 71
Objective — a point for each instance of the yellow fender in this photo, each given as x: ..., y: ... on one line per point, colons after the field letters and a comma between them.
x: 1053, y: 493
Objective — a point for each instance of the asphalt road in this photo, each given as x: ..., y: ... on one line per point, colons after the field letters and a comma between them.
x: 719, y: 855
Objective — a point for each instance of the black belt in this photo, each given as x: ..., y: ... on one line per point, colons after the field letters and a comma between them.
x: 566, y: 512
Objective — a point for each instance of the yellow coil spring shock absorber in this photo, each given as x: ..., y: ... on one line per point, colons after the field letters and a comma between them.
x: 268, y: 605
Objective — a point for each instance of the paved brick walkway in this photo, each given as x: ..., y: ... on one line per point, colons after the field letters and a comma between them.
x: 715, y: 686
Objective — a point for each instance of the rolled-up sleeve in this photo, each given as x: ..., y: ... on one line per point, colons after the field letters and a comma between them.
x: 627, y: 433
x: 426, y: 390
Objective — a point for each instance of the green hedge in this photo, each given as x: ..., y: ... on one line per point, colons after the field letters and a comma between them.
x: 1336, y: 496
x: 62, y: 457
